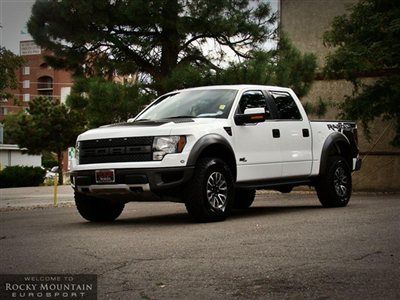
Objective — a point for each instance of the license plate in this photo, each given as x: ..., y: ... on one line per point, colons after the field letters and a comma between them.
x: 105, y: 176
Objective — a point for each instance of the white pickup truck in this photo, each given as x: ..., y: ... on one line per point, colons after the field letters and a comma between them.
x: 211, y: 148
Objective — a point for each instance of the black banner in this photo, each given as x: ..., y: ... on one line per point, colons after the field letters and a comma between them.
x: 48, y: 286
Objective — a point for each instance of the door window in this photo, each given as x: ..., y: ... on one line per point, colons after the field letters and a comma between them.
x: 252, y: 99
x: 286, y: 106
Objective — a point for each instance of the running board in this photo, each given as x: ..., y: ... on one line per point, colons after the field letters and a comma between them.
x: 274, y: 183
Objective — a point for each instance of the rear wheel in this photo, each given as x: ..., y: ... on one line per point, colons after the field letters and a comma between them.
x: 209, y: 195
x: 97, y: 209
x: 244, y: 198
x: 334, y: 187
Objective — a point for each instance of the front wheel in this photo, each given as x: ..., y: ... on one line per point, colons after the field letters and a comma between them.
x: 334, y: 187
x: 209, y: 195
x: 97, y: 209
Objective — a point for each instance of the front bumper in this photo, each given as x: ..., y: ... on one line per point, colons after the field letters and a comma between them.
x: 155, y: 180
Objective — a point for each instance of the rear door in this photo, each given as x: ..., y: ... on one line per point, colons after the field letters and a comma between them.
x: 294, y: 132
x: 257, y: 152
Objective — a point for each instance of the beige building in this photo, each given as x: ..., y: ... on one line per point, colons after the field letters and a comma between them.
x: 305, y: 22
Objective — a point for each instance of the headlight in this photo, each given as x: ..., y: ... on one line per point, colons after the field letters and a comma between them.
x: 163, y: 145
x: 77, y: 146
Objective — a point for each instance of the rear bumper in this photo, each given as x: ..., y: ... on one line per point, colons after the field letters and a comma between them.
x: 154, y: 180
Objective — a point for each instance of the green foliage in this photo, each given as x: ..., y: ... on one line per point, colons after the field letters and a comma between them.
x: 367, y: 40
x: 49, y: 160
x: 152, y: 37
x: 163, y: 43
x: 48, y: 126
x: 294, y: 69
x: 18, y: 176
x: 186, y: 76
x: 9, y: 64
x: 319, y: 109
x: 380, y: 99
x: 10, y: 122
x: 285, y: 66
x: 104, y: 102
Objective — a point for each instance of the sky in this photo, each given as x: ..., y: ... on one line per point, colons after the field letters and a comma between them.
x: 14, y: 14
x: 13, y: 17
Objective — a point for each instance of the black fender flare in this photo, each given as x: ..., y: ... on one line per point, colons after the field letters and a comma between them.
x: 204, y: 142
x: 331, y: 141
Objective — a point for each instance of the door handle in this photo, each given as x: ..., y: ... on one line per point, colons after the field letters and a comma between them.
x: 276, y: 133
x: 306, y: 133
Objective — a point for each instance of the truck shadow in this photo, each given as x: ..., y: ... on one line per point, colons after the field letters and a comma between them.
x: 183, y: 218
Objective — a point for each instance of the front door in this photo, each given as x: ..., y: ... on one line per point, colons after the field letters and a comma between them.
x: 257, y: 151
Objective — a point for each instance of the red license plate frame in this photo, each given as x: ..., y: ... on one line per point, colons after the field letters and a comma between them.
x: 105, y: 176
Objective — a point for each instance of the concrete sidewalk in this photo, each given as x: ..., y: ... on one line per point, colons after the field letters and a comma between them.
x: 38, y: 196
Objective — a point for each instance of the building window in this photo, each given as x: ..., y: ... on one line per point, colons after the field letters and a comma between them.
x: 26, y: 71
x: 45, y: 86
x: 26, y: 84
x: 65, y: 91
x: 3, y: 111
x: 26, y: 97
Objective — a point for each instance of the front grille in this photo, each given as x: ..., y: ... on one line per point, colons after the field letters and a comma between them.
x: 116, y: 150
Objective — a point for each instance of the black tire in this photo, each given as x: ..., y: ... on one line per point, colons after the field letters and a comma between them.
x: 334, y: 187
x: 97, y: 209
x: 244, y: 198
x: 205, y: 202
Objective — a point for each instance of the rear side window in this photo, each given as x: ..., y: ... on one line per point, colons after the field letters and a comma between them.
x: 252, y: 99
x: 286, y: 106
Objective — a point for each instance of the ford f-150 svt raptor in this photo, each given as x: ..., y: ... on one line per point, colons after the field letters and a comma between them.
x: 211, y: 148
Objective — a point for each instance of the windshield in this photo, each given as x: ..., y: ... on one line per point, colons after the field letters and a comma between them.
x: 191, y: 104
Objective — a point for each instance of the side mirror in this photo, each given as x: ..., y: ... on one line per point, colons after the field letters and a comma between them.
x: 251, y: 116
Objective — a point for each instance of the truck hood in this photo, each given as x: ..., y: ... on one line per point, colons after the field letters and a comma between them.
x: 151, y: 128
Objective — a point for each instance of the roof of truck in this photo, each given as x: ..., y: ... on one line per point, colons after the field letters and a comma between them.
x: 236, y: 87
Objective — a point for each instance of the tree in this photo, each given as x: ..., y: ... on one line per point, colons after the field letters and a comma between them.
x: 366, y: 42
x: 9, y: 64
x: 283, y: 66
x: 104, y: 102
x: 163, y: 42
x: 97, y: 37
x: 48, y: 126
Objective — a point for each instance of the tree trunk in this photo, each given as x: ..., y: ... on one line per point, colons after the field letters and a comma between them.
x: 60, y: 157
x: 170, y: 40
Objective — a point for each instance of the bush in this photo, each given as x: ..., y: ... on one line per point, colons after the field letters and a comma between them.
x: 18, y: 176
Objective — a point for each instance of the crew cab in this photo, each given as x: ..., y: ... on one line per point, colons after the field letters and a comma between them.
x: 211, y: 148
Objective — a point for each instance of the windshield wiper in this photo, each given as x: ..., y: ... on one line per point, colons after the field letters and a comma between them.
x: 181, y: 117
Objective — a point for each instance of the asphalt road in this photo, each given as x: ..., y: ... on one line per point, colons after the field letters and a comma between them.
x: 285, y: 246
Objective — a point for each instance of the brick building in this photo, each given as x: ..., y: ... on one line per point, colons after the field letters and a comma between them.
x: 36, y: 78
x: 305, y: 22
